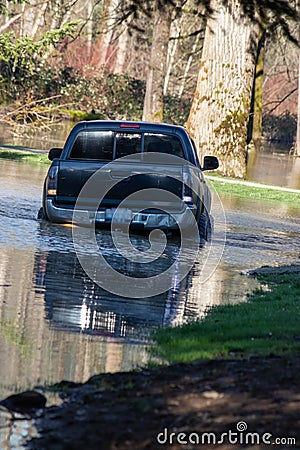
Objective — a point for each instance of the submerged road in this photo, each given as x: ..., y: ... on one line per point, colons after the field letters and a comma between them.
x: 55, y: 323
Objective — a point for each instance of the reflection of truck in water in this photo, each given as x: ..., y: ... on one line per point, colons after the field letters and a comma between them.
x: 158, y: 156
x: 75, y: 303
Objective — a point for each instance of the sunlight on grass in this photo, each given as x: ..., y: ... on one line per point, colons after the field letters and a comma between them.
x: 267, y: 324
x: 18, y: 155
x: 256, y: 193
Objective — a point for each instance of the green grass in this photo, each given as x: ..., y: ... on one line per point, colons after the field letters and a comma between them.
x: 256, y: 193
x: 267, y: 324
x: 23, y: 156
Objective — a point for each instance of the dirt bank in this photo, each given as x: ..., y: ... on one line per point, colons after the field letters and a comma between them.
x: 140, y: 410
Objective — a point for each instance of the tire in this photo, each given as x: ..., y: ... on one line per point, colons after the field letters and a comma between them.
x: 202, y: 226
x: 210, y: 228
x: 41, y: 214
x: 205, y: 225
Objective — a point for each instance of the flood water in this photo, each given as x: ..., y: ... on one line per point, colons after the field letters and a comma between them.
x: 57, y: 324
x: 271, y: 164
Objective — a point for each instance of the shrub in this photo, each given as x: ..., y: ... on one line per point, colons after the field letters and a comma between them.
x: 281, y: 129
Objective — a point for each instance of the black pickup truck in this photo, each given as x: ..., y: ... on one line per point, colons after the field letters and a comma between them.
x: 131, y: 157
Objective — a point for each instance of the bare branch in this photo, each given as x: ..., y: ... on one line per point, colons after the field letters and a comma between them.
x: 9, y: 22
x: 279, y: 102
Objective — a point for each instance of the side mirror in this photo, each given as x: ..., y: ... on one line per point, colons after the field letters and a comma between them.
x: 54, y: 153
x: 210, y: 163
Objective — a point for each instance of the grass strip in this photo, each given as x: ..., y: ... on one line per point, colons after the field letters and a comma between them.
x: 267, y: 324
x: 23, y: 156
x: 256, y: 193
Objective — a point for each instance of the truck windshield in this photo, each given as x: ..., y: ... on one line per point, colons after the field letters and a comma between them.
x: 93, y: 145
x: 103, y: 145
x: 163, y: 143
x: 128, y: 144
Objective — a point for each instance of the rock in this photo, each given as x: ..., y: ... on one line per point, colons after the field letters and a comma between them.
x: 212, y: 395
x: 24, y: 402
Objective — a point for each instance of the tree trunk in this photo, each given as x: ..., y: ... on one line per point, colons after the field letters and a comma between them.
x: 255, y: 119
x: 102, y: 50
x: 121, y: 51
x: 153, y: 102
x: 172, y: 48
x: 298, y: 115
x: 219, y: 116
x: 89, y: 27
x: 188, y: 66
x: 297, y: 146
x: 27, y: 19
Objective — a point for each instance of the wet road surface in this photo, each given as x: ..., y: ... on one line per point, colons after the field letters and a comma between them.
x: 56, y: 324
x: 46, y: 296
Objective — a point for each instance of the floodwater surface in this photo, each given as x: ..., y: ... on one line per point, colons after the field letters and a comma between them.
x: 57, y: 324
x: 270, y: 164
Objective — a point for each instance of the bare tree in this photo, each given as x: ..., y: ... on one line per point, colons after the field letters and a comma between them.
x: 153, y: 103
x: 298, y: 120
x: 107, y: 24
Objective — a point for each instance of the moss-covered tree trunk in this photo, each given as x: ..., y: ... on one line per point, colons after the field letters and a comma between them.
x: 219, y: 116
x: 153, y: 102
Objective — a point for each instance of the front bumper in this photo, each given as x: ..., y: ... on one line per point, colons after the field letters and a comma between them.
x: 146, y: 220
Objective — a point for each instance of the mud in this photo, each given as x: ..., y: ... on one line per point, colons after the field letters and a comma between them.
x: 241, y: 404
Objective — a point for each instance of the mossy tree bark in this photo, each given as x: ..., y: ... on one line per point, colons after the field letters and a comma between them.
x: 219, y: 116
